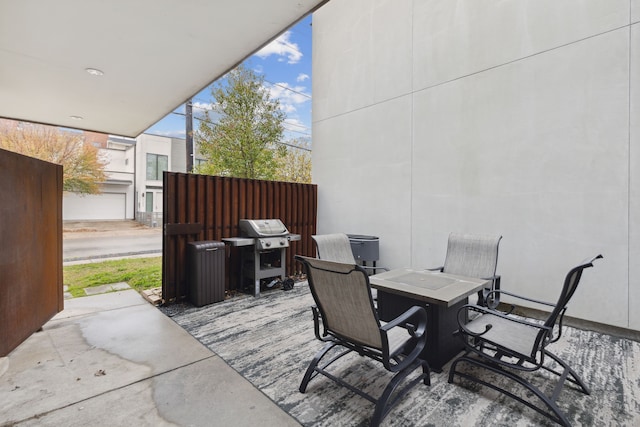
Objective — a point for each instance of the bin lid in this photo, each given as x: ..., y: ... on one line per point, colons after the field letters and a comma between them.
x: 205, y: 244
x: 361, y: 237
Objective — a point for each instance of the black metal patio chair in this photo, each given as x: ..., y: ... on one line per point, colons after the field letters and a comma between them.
x: 345, y: 318
x: 474, y: 255
x: 511, y: 345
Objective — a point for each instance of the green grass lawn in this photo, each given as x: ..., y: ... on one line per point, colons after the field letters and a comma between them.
x: 139, y: 273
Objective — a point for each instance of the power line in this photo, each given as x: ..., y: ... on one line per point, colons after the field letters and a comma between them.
x: 284, y: 124
x: 297, y: 131
x: 295, y: 146
x: 212, y: 123
x: 289, y: 89
x: 205, y: 109
x: 271, y: 83
x: 297, y: 125
x: 294, y: 47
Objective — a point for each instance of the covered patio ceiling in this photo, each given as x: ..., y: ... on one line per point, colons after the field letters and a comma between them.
x: 119, y: 66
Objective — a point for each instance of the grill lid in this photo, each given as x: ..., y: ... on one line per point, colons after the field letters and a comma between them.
x: 262, y: 228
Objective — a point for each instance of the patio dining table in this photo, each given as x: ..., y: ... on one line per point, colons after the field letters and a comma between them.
x: 441, y: 294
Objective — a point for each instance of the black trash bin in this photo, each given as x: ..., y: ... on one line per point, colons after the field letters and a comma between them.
x: 206, y: 261
x: 364, y: 248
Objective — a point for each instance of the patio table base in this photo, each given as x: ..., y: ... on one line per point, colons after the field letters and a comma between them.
x: 442, y: 345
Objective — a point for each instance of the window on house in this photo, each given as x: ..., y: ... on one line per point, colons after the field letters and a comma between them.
x: 156, y: 164
x: 149, y: 202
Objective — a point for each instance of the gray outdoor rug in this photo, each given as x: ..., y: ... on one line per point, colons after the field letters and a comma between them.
x: 270, y: 341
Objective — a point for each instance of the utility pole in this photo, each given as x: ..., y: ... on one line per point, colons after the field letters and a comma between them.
x: 189, y: 134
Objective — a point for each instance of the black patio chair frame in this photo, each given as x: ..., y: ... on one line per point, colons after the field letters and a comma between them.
x: 487, y: 348
x: 401, y: 359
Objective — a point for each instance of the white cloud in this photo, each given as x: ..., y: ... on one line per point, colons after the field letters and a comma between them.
x: 283, y: 48
x: 295, y: 125
x: 302, y: 77
x: 203, y: 105
x: 170, y: 133
x: 288, y: 94
x: 288, y: 108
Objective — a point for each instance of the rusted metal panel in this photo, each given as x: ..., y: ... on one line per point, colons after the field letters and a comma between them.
x: 31, y: 251
x: 190, y: 228
x: 217, y: 204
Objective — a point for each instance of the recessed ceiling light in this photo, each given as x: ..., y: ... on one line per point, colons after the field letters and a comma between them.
x: 94, y: 71
x: 76, y: 117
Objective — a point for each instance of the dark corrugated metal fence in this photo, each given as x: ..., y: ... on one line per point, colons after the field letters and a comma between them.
x: 202, y: 207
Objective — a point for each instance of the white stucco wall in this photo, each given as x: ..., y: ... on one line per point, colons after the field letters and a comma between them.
x: 152, y: 144
x: 517, y: 118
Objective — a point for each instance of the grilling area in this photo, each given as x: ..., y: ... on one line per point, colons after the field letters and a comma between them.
x: 261, y: 224
x: 263, y: 244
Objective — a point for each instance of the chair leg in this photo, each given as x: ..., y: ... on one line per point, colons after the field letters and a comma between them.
x: 426, y: 372
x: 481, y: 297
x: 556, y: 414
x: 568, y: 374
x: 384, y: 404
x: 309, y: 374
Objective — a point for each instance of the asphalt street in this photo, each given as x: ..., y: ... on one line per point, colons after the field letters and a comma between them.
x: 99, y: 245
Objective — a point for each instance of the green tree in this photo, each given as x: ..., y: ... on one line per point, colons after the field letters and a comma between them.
x: 82, y: 168
x: 295, y: 165
x: 242, y: 139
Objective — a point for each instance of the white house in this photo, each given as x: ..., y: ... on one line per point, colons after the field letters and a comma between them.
x: 514, y: 118
x: 116, y: 201
x: 155, y: 154
x: 133, y: 189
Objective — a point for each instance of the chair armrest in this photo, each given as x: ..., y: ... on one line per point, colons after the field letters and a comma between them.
x: 418, y: 333
x: 492, y: 278
x: 490, y: 296
x: 500, y: 292
x: 416, y: 330
x: 371, y: 267
x: 462, y: 315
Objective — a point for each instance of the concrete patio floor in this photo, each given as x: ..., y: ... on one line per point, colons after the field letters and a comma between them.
x: 114, y: 359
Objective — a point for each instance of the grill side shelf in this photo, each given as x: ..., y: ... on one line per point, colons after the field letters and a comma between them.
x: 239, y: 241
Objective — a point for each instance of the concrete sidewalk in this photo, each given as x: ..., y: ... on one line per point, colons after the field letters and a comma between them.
x: 115, y: 360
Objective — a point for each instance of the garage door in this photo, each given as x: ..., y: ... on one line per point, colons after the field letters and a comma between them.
x: 105, y: 206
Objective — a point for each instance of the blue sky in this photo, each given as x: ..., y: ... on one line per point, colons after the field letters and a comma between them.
x: 286, y: 66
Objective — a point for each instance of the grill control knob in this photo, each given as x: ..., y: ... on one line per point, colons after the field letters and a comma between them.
x: 267, y: 244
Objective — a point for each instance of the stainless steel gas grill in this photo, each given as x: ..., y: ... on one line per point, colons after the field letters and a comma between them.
x: 263, y: 251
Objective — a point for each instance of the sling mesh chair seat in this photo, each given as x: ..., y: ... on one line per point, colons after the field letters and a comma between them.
x: 337, y: 247
x: 474, y: 255
x: 506, y: 344
x: 345, y: 318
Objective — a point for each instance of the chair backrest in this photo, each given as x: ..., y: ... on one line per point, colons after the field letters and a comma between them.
x: 334, y: 247
x: 472, y: 255
x: 343, y: 295
x: 568, y: 289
